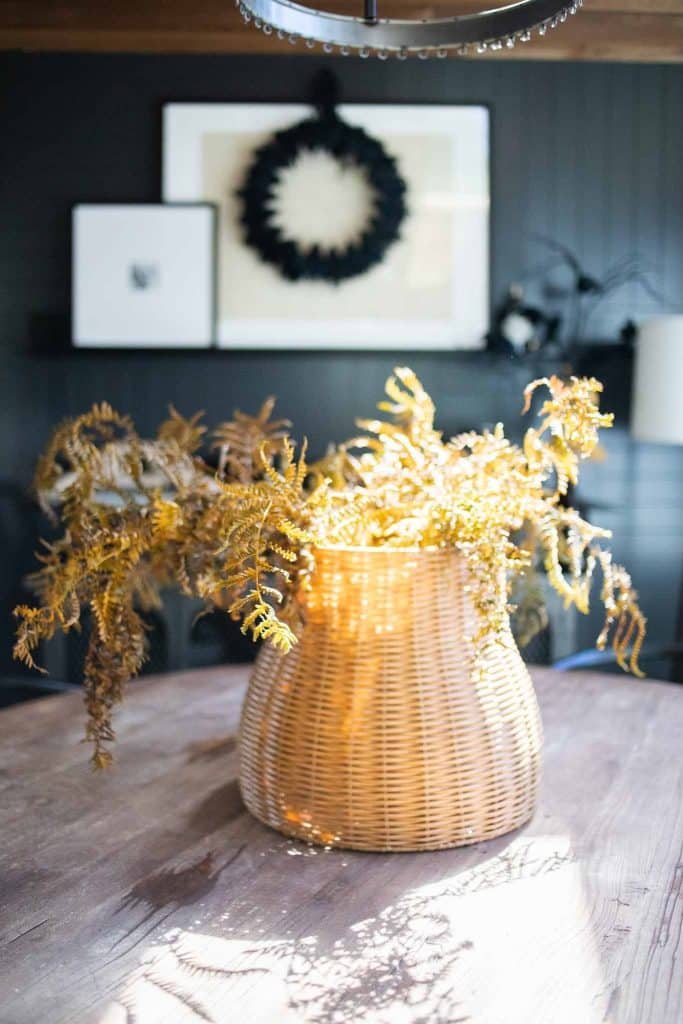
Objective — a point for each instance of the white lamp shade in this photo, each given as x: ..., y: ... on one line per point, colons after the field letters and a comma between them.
x: 657, y: 402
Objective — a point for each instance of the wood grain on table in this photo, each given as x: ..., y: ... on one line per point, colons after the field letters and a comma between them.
x: 149, y: 895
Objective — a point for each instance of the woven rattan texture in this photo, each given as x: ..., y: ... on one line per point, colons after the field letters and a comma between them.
x: 373, y: 733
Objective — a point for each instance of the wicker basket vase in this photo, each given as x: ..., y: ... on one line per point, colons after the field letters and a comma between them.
x: 372, y: 733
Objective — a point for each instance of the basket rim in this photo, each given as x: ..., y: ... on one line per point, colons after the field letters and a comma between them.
x: 388, y: 548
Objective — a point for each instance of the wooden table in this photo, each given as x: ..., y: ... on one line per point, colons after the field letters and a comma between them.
x: 149, y: 895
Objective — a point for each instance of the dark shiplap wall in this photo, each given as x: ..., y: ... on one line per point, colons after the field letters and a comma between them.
x: 589, y: 154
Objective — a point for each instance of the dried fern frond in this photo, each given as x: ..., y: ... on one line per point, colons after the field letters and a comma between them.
x: 568, y: 431
x: 187, y: 433
x: 338, y: 468
x: 243, y: 442
x: 35, y: 625
x: 139, y: 515
x: 496, y: 502
x: 84, y: 449
x: 411, y: 408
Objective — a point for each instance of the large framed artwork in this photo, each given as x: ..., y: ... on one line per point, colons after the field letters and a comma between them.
x: 429, y: 289
x: 143, y: 275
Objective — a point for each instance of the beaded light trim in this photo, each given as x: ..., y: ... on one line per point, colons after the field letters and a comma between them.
x: 251, y: 11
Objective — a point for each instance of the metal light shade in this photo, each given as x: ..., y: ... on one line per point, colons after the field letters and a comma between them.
x: 657, y: 405
x: 494, y: 29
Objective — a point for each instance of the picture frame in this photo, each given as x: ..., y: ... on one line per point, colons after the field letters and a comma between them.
x: 144, y: 275
x: 432, y: 289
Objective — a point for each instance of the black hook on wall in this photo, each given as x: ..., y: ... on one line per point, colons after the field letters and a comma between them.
x: 325, y: 93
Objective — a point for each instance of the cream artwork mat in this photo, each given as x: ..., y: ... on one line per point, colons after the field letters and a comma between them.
x: 432, y: 289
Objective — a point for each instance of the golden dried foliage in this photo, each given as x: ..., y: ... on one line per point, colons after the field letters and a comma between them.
x: 139, y: 515
x: 242, y: 441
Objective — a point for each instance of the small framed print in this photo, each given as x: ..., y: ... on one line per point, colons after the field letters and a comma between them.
x: 143, y: 276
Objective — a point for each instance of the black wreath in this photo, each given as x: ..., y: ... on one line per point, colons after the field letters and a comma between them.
x: 347, y: 144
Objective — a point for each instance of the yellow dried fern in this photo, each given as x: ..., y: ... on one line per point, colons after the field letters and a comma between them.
x: 139, y: 515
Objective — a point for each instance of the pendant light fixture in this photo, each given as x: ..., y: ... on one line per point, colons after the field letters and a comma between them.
x: 369, y: 33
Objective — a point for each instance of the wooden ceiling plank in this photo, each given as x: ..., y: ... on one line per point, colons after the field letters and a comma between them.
x: 216, y: 27
x: 186, y: 14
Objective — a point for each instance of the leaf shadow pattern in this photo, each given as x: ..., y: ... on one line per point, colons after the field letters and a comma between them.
x: 408, y: 957
x: 405, y: 956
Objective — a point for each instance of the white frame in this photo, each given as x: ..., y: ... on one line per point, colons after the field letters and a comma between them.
x: 184, y: 125
x: 108, y: 239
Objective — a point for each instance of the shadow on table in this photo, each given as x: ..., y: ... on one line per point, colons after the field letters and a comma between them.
x: 344, y: 938
x: 259, y: 928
